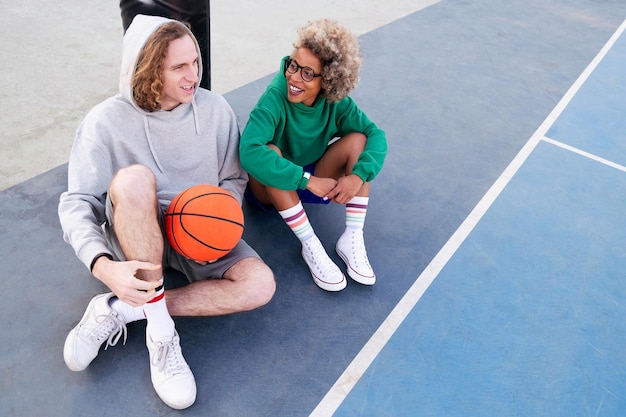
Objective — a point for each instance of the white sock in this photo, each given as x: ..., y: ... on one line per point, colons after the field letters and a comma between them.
x: 160, y: 324
x: 128, y: 312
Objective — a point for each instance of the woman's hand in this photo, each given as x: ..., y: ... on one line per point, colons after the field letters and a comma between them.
x: 321, y: 186
x: 339, y: 191
x: 346, y: 188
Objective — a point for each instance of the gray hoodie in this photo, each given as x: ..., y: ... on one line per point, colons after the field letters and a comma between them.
x: 195, y: 143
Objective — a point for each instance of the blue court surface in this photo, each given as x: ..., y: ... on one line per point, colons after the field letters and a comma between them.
x: 496, y: 230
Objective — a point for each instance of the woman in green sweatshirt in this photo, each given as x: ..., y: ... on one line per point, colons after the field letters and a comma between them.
x: 307, y: 141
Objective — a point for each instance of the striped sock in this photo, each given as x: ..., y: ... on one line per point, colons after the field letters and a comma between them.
x: 297, y: 220
x: 356, y: 209
x: 160, y: 324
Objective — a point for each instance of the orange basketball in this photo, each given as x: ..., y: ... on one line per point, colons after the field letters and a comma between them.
x: 204, y: 222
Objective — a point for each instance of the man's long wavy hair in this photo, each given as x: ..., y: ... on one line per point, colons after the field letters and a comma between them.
x: 338, y: 49
x: 147, y: 83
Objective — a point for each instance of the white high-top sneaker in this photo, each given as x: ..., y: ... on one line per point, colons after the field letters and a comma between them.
x: 351, y: 248
x: 325, y: 273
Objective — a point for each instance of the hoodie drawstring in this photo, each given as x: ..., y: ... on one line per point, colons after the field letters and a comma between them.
x: 195, y: 116
x: 149, y: 137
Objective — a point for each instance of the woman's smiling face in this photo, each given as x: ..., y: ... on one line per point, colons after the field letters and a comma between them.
x: 298, y: 90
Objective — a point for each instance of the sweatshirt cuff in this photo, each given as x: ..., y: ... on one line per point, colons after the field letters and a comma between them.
x: 88, y: 253
x: 98, y: 256
x: 364, y: 177
x: 304, y: 180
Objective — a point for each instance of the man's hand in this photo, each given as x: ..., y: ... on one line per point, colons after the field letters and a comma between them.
x: 120, y: 277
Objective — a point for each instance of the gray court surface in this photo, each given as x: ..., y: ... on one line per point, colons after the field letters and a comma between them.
x: 459, y: 87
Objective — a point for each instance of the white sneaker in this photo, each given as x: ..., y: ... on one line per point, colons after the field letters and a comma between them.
x: 171, y: 377
x: 325, y: 273
x: 351, y: 248
x: 100, y: 323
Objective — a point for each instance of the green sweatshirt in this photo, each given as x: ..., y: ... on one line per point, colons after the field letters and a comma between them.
x: 302, y: 134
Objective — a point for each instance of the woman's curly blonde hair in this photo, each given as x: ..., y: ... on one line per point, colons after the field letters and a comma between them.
x: 338, y: 49
x: 147, y: 84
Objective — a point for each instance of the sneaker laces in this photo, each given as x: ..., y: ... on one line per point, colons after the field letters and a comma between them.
x: 358, y: 248
x: 168, y: 357
x: 316, y: 255
x: 111, y: 328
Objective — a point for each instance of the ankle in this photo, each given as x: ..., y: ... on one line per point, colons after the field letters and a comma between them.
x: 127, y: 312
x: 160, y: 330
x: 352, y: 233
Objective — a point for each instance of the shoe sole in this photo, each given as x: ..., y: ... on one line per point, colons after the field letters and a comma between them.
x: 178, y: 406
x: 68, y: 349
x: 361, y: 279
x: 329, y: 286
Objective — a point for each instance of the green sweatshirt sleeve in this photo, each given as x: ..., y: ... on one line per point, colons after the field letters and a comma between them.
x: 266, y: 122
x: 371, y: 160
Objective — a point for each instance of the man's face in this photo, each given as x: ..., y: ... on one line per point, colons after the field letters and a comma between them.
x: 180, y: 73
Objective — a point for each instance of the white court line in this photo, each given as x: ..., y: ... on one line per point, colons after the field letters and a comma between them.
x: 346, y: 382
x: 585, y: 154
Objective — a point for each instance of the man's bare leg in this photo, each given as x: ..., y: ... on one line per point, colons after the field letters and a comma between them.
x: 135, y: 208
x: 247, y: 285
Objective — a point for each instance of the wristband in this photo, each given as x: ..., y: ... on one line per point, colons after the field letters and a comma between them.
x: 304, y: 180
x: 98, y: 256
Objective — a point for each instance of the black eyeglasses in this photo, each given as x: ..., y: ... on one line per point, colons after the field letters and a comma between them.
x: 307, y: 73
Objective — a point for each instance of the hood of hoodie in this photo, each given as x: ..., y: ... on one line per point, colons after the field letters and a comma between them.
x: 135, y: 38
x: 141, y: 28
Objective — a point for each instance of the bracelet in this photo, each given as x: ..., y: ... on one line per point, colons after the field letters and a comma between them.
x: 98, y: 256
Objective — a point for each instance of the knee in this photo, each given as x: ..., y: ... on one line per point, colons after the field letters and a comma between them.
x: 260, y: 284
x: 357, y: 141
x: 135, y: 184
x: 264, y: 286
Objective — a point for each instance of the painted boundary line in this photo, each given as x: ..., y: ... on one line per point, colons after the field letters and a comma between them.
x: 346, y: 382
x: 585, y: 154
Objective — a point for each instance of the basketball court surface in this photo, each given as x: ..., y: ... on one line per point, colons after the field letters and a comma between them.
x: 496, y: 230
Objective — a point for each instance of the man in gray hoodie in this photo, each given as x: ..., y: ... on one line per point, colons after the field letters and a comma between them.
x: 132, y: 154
